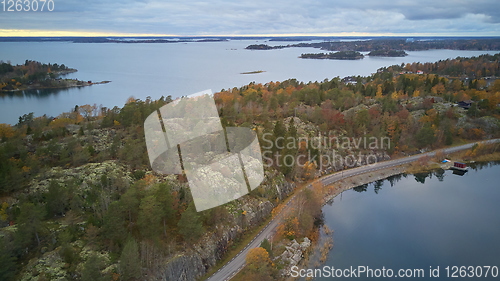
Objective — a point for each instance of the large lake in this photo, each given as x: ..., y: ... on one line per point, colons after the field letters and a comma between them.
x: 176, y: 69
x: 416, y: 222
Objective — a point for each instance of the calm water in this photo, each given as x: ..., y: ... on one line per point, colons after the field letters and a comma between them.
x: 417, y: 222
x: 142, y: 70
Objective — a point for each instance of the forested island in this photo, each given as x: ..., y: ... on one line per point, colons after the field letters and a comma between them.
x: 343, y: 55
x: 388, y: 53
x: 390, y: 46
x: 264, y: 47
x: 37, y: 75
x: 79, y: 201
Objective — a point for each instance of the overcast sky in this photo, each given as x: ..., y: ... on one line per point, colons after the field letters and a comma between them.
x: 231, y: 17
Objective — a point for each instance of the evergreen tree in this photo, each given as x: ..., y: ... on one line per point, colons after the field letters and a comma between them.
x: 30, y: 224
x: 425, y: 135
x: 150, y: 216
x: 292, y: 131
x: 267, y: 246
x: 190, y: 226
x: 165, y: 199
x: 278, y: 132
x: 56, y: 198
x: 130, y: 263
x: 7, y: 261
x: 114, y: 223
x: 130, y: 204
x: 92, y: 269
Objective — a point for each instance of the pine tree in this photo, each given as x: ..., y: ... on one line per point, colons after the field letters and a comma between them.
x: 56, y: 199
x: 114, y: 223
x: 267, y: 246
x: 92, y: 269
x: 130, y: 263
x: 7, y: 261
x: 150, y: 216
x: 130, y: 203
x: 30, y: 224
x: 165, y: 199
x: 190, y: 226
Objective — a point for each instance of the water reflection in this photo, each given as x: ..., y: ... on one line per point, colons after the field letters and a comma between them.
x: 416, y: 221
x: 33, y: 93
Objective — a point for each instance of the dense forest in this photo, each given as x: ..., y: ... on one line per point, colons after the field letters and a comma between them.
x: 79, y: 186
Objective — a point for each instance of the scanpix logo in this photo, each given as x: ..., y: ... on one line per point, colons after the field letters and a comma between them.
x: 220, y: 164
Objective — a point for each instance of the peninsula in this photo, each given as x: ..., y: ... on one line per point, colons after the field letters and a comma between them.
x: 33, y: 75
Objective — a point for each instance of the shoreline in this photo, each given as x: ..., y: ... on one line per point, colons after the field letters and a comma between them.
x: 335, y: 189
x: 74, y: 84
x: 431, y: 163
x: 351, y: 182
x: 382, y: 174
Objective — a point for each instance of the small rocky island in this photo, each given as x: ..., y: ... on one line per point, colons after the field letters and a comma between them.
x: 342, y: 55
x: 253, y: 72
x: 388, y: 53
x: 33, y: 75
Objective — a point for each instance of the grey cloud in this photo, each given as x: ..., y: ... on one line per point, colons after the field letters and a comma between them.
x: 264, y: 16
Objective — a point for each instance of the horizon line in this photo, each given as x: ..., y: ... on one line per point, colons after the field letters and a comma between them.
x: 60, y: 33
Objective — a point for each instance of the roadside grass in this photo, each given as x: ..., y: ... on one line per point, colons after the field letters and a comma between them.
x: 488, y: 157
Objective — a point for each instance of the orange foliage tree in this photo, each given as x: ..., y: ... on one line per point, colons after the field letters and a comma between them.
x: 257, y: 258
x: 289, y: 228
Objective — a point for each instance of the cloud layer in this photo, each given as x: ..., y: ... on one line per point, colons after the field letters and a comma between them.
x: 218, y: 17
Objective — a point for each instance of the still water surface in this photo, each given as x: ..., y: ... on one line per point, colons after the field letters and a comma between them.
x: 413, y: 222
x: 175, y: 69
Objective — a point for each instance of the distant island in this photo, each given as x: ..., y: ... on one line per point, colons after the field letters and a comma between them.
x: 36, y: 75
x: 388, y: 53
x: 393, y: 44
x: 264, y: 47
x: 343, y: 55
x: 253, y: 72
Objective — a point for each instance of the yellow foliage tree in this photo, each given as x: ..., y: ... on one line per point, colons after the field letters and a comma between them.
x: 289, y: 228
x: 431, y: 116
x: 379, y: 94
x: 6, y: 131
x: 60, y: 122
x: 130, y: 100
x: 438, y: 89
x: 257, y: 258
x: 3, y: 211
x: 493, y: 101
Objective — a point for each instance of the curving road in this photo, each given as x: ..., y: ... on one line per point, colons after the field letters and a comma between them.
x: 238, y: 262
